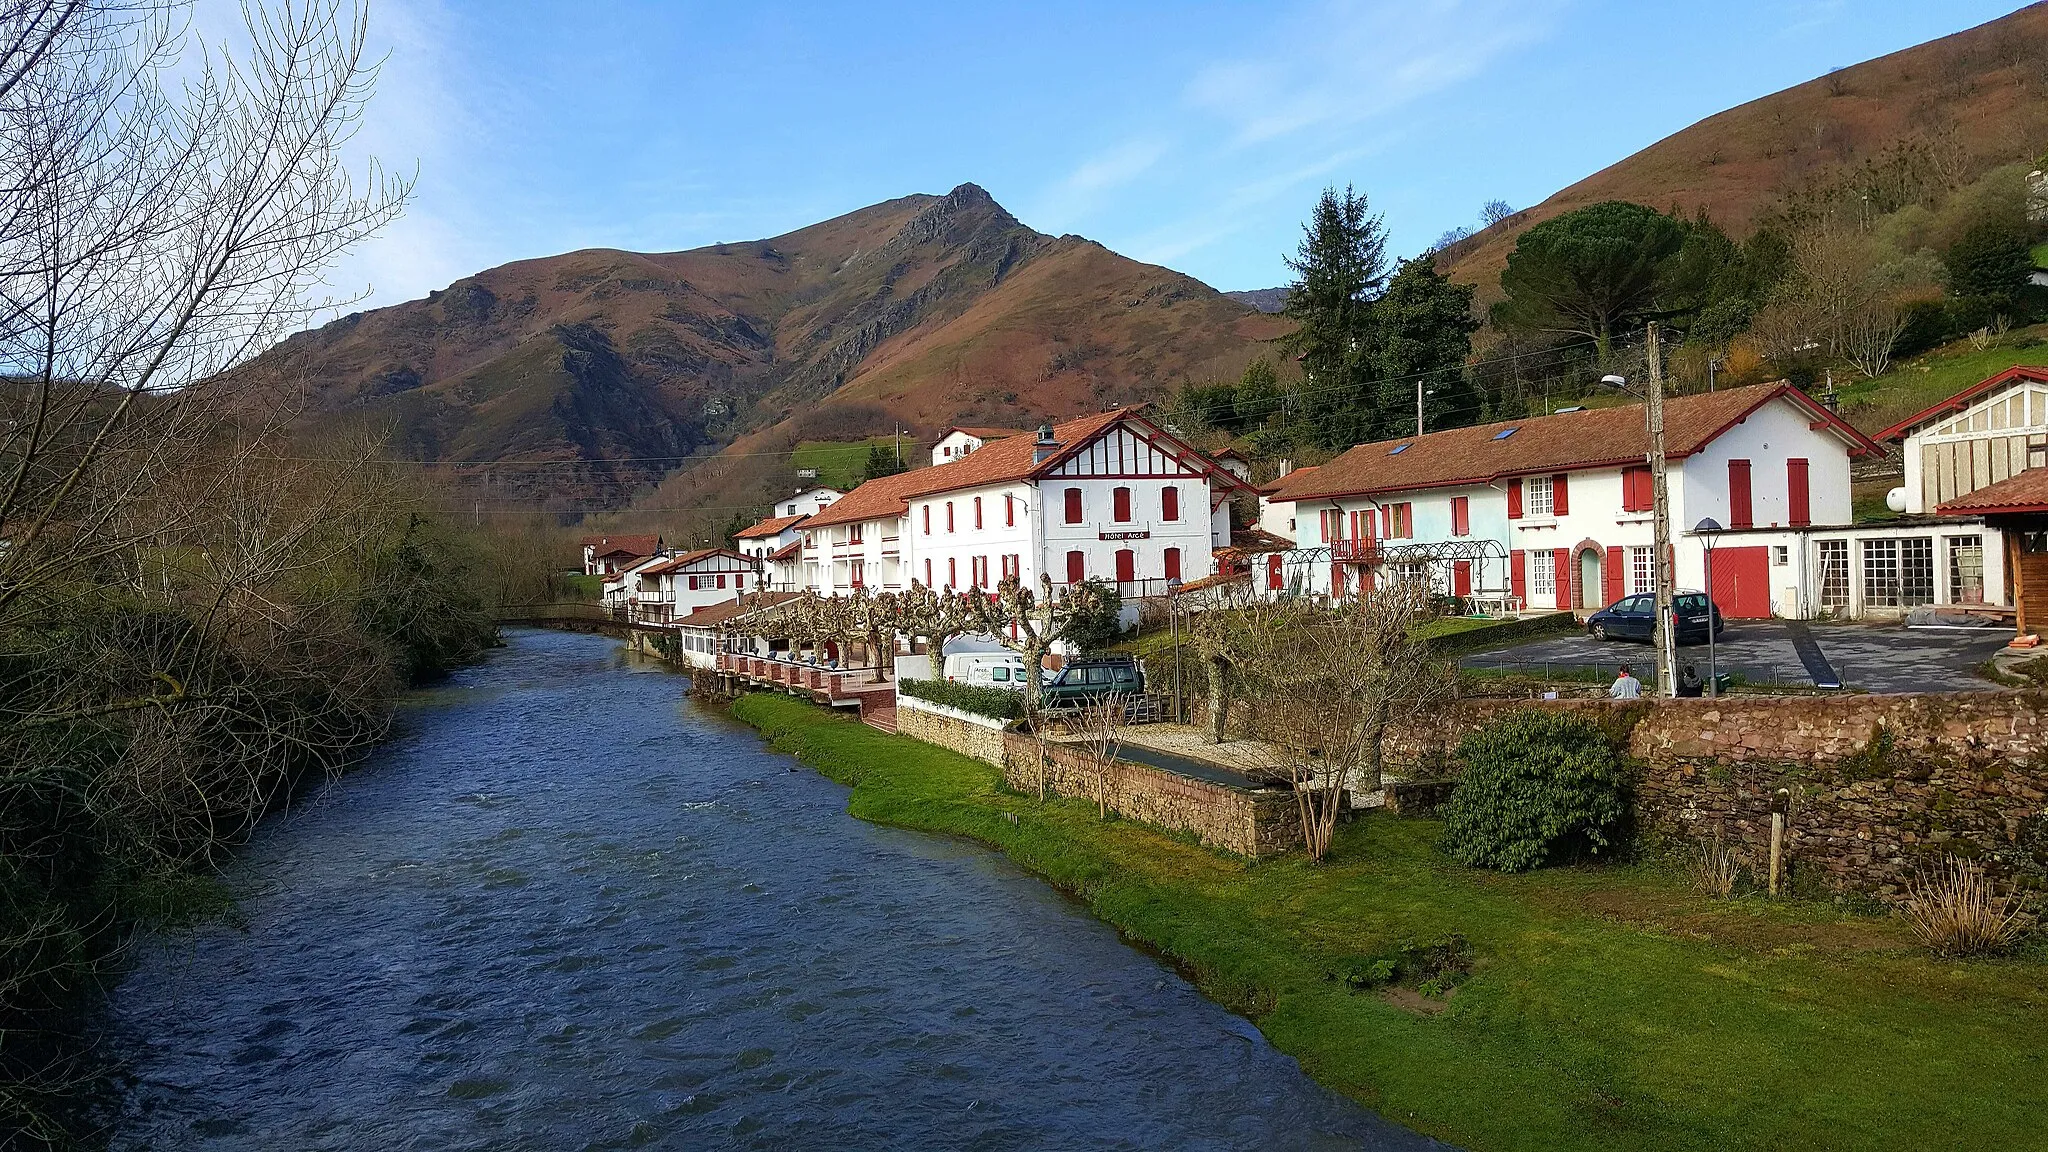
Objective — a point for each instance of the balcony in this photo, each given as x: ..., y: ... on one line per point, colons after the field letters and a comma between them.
x: 1355, y: 551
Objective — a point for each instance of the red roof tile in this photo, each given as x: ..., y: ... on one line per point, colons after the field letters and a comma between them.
x: 1596, y: 438
x: 712, y: 615
x: 772, y: 526
x: 983, y: 433
x: 2026, y: 492
x: 678, y: 563
x: 623, y: 545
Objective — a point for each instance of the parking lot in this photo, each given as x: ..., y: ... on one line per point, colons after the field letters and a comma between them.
x: 1870, y: 657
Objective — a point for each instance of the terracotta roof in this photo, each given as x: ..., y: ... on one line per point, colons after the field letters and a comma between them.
x: 1216, y: 581
x: 1291, y: 478
x: 983, y: 433
x: 678, y: 563
x: 712, y: 615
x: 1255, y: 539
x: 787, y: 550
x: 1004, y: 461
x: 623, y: 545
x: 1962, y: 399
x: 1595, y: 438
x: 2026, y: 492
x: 772, y: 526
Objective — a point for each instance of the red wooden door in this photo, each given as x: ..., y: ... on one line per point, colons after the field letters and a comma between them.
x: 1126, y: 565
x: 1742, y: 582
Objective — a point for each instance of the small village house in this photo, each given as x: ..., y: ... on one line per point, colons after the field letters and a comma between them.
x: 679, y: 585
x: 604, y: 555
x: 959, y: 440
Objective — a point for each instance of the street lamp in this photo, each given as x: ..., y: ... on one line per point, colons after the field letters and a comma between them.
x: 1708, y: 530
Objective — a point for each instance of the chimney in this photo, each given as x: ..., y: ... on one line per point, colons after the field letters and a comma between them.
x: 1046, y: 445
x: 1286, y: 466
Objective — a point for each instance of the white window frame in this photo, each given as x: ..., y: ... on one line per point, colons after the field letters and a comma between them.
x: 1543, y: 573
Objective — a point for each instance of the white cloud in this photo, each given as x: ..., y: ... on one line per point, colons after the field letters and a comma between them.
x: 1072, y: 198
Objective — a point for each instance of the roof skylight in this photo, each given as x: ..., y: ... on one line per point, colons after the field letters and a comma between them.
x: 1507, y: 432
x: 1398, y: 449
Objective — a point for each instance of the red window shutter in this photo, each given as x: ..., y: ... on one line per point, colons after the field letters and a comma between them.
x: 952, y: 572
x: 693, y: 583
x: 1273, y: 572
x: 1407, y: 521
x: 1172, y: 561
x: 1461, y: 578
x: 1009, y: 511
x: 1461, y: 516
x: 1120, y: 505
x: 977, y: 511
x: 927, y: 519
x: 1617, y: 562
x: 927, y: 569
x: 1796, y: 487
x: 1514, y: 499
x: 1518, y: 574
x: 1073, y: 505
x: 1564, y: 575
x: 1336, y: 580
x: 1738, y: 495
x: 721, y: 579
x: 1559, y: 504
x: 1077, y: 567
x: 1637, y: 494
x: 1126, y: 565
x: 739, y: 580
x: 949, y: 515
x: 1365, y: 580
x: 1169, y: 503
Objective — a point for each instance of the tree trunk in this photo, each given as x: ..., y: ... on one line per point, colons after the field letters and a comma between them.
x: 1219, y: 699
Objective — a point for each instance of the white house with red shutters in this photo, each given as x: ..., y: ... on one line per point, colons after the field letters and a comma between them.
x: 961, y: 439
x: 1555, y: 512
x: 1106, y: 497
x: 675, y: 586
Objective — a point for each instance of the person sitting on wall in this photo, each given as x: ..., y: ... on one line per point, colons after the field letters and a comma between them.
x: 1689, y: 682
x: 1625, y: 686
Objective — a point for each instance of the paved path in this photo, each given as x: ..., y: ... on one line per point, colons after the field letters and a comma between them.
x: 1872, y: 657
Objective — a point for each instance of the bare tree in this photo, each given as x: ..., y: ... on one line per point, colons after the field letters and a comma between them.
x: 1325, y: 684
x: 1102, y: 723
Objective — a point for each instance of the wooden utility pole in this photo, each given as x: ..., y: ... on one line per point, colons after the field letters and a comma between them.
x: 1418, y: 408
x: 1660, y: 560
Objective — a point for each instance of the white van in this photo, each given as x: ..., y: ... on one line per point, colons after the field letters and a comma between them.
x: 1000, y: 669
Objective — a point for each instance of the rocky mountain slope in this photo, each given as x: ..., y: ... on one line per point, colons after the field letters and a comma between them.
x: 581, y: 379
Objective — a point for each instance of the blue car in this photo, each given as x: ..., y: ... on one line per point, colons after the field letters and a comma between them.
x: 1635, y: 618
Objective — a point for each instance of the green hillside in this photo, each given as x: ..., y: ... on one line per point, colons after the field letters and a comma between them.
x: 841, y: 463
x: 1927, y: 379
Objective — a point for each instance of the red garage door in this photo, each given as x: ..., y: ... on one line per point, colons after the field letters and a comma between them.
x: 1742, y: 583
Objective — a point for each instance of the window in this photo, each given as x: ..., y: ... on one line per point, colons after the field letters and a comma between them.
x: 1639, y: 574
x: 1543, y: 571
x: 1966, y: 569
x: 949, y: 515
x: 1739, y: 515
x: 1638, y: 491
x: 1120, y: 505
x: 977, y: 512
x: 1013, y: 565
x: 1461, y: 515
x: 1401, y: 520
x: 927, y: 519
x: 693, y: 584
x: 721, y: 580
x: 1172, y: 562
x: 1169, y: 503
x: 1077, y: 567
x: 977, y: 571
x: 853, y: 534
x: 1781, y: 555
x: 1881, y: 573
x: 1834, y: 574
x: 952, y: 572
x: 857, y: 574
x: 1073, y: 505
x: 1536, y: 496
x: 1333, y: 525
x: 1916, y: 570
x: 1126, y: 565
x: 1798, y: 492
x: 1009, y: 510
x: 739, y: 580
x: 1363, y: 525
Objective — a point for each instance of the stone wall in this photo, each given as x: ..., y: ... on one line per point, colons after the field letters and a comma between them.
x: 1873, y: 786
x: 1254, y: 824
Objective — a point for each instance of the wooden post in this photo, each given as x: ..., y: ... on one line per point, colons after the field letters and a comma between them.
x: 1661, y: 559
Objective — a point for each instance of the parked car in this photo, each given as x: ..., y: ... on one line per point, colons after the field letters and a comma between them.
x: 1635, y: 618
x: 1001, y: 669
x: 1090, y: 678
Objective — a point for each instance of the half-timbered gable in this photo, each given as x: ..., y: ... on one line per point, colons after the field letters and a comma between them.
x: 1981, y: 436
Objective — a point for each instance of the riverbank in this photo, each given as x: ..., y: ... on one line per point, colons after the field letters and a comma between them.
x: 1609, y: 1007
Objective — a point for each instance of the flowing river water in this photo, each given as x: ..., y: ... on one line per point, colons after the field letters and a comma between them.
x: 567, y: 908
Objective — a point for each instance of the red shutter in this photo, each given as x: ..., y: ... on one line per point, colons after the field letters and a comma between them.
x: 1172, y: 561
x: 1559, y: 505
x: 1120, y: 505
x: 1273, y: 572
x: 1077, y: 567
x: 927, y: 519
x: 1126, y: 563
x: 1564, y: 575
x: 949, y: 515
x: 952, y: 572
x: 1801, y: 497
x: 927, y: 568
x: 1073, y: 505
x: 1169, y: 503
x: 1337, y: 580
x: 1514, y: 499
x: 1617, y: 563
x: 1365, y: 580
x: 1739, y: 515
x: 1518, y: 574
x: 1461, y: 516
x: 977, y: 511
x: 1461, y: 578
x: 1637, y: 494
x: 1009, y: 511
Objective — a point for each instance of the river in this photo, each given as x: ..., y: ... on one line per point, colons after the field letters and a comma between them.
x: 567, y: 908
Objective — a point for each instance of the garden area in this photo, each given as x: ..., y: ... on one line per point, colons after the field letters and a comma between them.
x: 1609, y: 1000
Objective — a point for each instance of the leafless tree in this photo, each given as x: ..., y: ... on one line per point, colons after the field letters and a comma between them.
x: 1102, y: 723
x: 1324, y: 685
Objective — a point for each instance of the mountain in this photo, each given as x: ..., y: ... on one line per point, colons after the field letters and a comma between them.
x: 583, y: 378
x: 1263, y: 299
x: 1975, y: 99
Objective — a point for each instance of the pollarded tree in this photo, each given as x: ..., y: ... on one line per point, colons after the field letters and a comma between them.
x: 1594, y: 272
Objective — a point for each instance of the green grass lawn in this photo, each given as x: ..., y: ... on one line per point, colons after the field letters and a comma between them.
x: 1610, y: 1008
x: 840, y: 464
x: 1934, y: 376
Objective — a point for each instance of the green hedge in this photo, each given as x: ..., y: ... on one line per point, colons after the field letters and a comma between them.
x: 980, y: 699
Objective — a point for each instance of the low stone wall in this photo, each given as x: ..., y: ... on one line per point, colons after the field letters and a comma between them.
x: 1873, y: 785
x: 1253, y: 824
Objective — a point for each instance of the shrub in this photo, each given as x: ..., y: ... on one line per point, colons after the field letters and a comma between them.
x: 1955, y: 910
x: 980, y: 699
x: 1537, y: 787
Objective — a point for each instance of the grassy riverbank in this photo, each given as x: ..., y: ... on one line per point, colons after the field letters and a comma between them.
x: 1610, y: 1008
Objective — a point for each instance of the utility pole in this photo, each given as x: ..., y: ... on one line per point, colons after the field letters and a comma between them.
x: 1660, y: 559
x: 899, y: 445
x: 1418, y: 408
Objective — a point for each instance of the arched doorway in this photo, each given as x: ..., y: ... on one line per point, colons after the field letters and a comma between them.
x: 1589, y: 591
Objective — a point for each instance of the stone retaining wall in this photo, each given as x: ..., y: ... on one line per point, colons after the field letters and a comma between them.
x: 1874, y: 785
x: 1253, y: 824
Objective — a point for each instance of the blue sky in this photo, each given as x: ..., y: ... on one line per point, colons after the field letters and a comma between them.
x: 1190, y: 135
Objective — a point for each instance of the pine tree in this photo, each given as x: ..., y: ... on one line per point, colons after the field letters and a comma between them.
x: 1423, y: 335
x: 1339, y: 270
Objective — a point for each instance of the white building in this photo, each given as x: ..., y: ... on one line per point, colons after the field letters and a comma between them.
x: 806, y: 502
x: 1555, y: 512
x: 604, y: 555
x: 658, y: 593
x: 960, y: 440
x: 1105, y: 497
x: 773, y: 544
